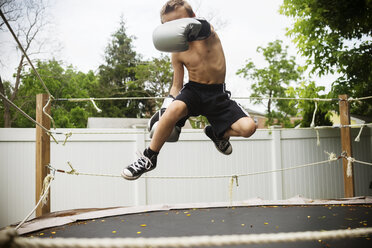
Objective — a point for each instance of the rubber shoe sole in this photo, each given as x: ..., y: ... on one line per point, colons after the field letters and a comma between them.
x: 132, y: 178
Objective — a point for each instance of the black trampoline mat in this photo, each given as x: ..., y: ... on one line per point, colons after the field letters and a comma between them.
x: 227, y: 221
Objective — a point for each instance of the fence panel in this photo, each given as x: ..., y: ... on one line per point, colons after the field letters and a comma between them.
x: 193, y: 155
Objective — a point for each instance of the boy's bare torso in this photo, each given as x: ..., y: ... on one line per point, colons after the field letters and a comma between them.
x: 204, y: 60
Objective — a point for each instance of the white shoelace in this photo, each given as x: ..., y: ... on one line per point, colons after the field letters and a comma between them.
x: 143, y: 163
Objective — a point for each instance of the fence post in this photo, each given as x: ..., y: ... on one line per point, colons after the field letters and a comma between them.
x: 140, y: 186
x: 276, y: 154
x: 346, y: 145
x: 42, y: 151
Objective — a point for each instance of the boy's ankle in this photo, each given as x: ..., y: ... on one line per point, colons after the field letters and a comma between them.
x: 150, y: 153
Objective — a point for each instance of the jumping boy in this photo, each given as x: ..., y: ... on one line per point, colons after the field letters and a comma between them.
x: 195, y: 45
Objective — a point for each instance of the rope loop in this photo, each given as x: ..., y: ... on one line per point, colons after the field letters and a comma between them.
x: 46, y: 186
x: 236, y: 180
x: 332, y: 156
x: 312, y: 125
x: 67, y: 135
x: 47, y: 180
x: 233, y: 177
x: 50, y: 134
x: 94, y: 104
x: 45, y: 113
x: 72, y: 171
x: 349, y: 171
x: 357, y: 139
x: 317, y: 137
x: 350, y: 161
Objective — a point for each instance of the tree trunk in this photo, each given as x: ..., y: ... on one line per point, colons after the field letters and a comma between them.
x: 18, y: 79
x: 7, y: 115
x: 269, y: 104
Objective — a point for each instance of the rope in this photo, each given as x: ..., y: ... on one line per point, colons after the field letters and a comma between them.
x: 46, y: 186
x: 109, y: 98
x: 322, y: 127
x: 69, y: 133
x: 332, y: 158
x: 232, y: 186
x: 23, y: 113
x: 160, y: 98
x: 74, y: 172
x: 31, y: 64
x: 360, y: 98
x: 357, y: 139
x: 50, y: 133
x: 235, y: 98
x: 312, y: 125
x: 316, y: 128
x: 24, y: 53
x: 361, y: 162
x: 349, y: 171
x: 49, y: 116
x: 350, y: 161
x: 192, y: 241
x: 95, y: 106
x: 7, y: 237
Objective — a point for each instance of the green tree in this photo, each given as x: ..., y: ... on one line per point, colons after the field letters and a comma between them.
x: 335, y: 36
x: 62, y: 83
x: 273, y: 80
x: 306, y: 108
x: 117, y: 77
x: 156, y: 75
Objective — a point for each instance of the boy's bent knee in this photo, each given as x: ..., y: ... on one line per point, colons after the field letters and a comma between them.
x: 248, y: 129
x: 246, y: 133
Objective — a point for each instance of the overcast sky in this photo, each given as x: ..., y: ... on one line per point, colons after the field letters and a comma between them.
x: 83, y: 29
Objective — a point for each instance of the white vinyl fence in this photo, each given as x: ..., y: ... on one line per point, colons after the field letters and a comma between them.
x: 107, y: 151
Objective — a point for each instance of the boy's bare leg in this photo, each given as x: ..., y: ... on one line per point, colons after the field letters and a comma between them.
x: 147, y: 161
x: 171, y: 116
x: 244, y: 127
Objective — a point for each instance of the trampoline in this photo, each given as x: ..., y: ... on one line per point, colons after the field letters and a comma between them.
x: 212, y: 219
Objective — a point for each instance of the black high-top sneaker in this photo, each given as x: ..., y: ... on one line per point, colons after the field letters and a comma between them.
x: 144, y: 163
x: 223, y: 145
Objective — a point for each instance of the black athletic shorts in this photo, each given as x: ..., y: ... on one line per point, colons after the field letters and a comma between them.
x: 213, y: 102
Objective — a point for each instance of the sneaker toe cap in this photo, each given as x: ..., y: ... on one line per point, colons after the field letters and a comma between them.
x: 228, y: 150
x: 126, y: 173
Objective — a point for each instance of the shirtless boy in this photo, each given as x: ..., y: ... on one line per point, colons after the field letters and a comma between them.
x: 195, y: 45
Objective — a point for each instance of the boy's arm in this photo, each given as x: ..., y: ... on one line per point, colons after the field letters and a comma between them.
x: 178, y: 73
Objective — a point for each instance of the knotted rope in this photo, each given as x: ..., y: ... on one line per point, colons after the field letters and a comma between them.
x: 10, y: 239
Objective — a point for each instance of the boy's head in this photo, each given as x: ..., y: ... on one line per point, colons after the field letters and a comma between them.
x: 175, y: 9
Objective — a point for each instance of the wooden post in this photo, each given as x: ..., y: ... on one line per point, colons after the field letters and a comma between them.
x: 346, y: 144
x: 42, y: 151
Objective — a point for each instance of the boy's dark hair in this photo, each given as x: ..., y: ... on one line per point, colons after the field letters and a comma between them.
x: 171, y: 5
